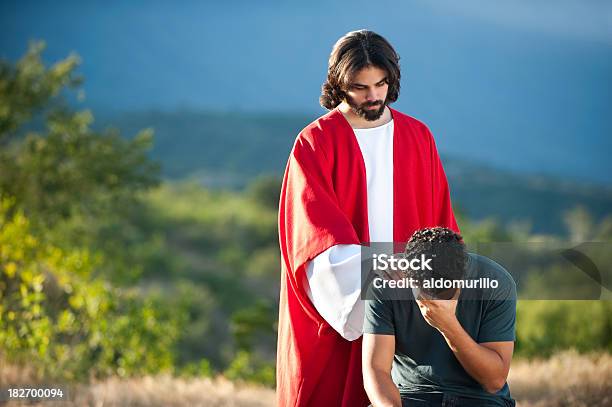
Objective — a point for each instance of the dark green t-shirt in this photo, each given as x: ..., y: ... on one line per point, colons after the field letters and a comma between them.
x: 423, y: 362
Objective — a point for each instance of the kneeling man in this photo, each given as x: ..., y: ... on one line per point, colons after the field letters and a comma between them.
x: 441, y: 346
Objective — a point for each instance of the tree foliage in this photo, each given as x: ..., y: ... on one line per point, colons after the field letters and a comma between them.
x: 27, y: 87
x: 55, y: 316
x: 62, y: 187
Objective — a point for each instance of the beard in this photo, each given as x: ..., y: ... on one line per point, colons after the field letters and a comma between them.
x: 363, y: 110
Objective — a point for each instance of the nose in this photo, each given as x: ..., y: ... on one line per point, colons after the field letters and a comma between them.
x: 371, y: 96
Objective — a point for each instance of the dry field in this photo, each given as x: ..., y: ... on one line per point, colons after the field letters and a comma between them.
x: 567, y: 379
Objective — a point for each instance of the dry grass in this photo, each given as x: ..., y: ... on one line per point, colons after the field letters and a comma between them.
x: 568, y: 379
x: 164, y: 390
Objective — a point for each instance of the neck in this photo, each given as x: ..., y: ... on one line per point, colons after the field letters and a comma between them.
x: 358, y: 122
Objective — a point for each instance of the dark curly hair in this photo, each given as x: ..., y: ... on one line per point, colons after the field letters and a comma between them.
x: 353, y: 52
x: 447, y: 251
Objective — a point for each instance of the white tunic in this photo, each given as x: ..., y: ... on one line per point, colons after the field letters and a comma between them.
x: 334, y: 276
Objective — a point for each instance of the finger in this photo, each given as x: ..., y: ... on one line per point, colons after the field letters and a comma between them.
x: 422, y: 305
x: 428, y: 303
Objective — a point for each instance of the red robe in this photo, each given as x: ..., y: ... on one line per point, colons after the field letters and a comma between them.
x: 323, y: 203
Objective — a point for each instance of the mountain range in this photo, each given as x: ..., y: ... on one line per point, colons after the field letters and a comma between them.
x: 522, y: 86
x: 229, y: 150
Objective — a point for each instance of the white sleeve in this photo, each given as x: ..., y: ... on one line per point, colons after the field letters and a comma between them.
x: 334, y: 279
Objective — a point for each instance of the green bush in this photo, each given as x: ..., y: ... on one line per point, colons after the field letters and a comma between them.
x: 247, y: 367
x: 59, y: 319
x: 203, y: 368
x: 545, y: 327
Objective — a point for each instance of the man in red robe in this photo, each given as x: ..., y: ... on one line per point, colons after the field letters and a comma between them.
x: 361, y: 173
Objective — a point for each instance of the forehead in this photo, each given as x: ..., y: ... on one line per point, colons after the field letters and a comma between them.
x: 369, y: 75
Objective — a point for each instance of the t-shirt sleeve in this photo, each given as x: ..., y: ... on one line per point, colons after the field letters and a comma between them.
x: 378, y: 314
x: 499, y: 320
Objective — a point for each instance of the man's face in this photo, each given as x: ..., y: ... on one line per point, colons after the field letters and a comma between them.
x: 367, y: 93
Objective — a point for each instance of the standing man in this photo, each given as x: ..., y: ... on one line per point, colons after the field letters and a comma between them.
x: 361, y: 173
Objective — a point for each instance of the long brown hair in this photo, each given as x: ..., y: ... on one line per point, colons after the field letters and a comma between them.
x: 353, y: 52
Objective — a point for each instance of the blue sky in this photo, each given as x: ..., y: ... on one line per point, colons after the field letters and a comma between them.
x: 524, y: 85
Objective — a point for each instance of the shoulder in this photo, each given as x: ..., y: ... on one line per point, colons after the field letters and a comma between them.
x: 320, y: 129
x: 415, y: 124
x: 488, y: 268
x: 413, y: 131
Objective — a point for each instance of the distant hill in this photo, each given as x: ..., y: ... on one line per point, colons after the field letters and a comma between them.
x: 229, y: 150
x: 523, y: 85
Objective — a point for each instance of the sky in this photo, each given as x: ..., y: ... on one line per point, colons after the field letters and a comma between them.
x: 523, y: 85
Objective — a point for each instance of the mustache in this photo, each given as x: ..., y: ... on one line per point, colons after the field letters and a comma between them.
x: 374, y: 103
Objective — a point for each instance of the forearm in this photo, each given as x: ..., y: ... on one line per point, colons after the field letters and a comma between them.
x: 381, y: 390
x: 484, y: 365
